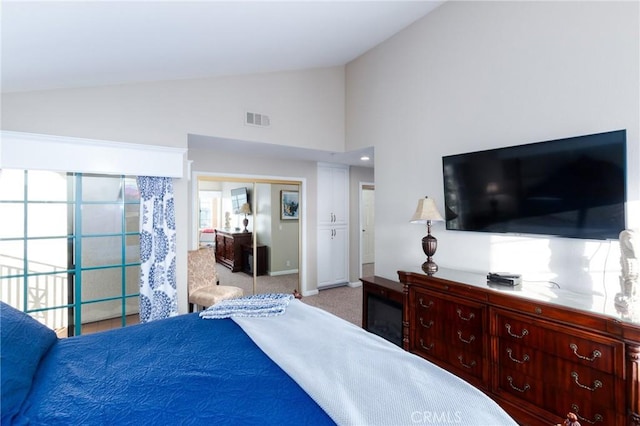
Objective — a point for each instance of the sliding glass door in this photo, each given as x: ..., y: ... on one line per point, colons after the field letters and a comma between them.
x: 69, y: 247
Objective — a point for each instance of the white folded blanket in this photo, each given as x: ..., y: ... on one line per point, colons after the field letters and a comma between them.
x: 259, y: 305
x: 360, y: 379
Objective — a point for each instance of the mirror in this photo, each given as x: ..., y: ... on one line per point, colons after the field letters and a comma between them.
x: 266, y: 258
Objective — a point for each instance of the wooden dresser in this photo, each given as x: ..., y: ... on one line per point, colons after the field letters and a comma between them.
x: 229, y: 248
x: 536, y: 351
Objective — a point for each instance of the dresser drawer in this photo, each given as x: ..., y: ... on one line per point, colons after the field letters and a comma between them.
x: 589, y: 411
x: 465, y: 338
x: 429, y: 304
x: 429, y: 347
x: 467, y: 315
x: 429, y: 325
x: 592, y: 351
x: 513, y: 329
x: 466, y: 362
x: 524, y: 387
x: 573, y: 345
x: 584, y: 383
x: 522, y: 359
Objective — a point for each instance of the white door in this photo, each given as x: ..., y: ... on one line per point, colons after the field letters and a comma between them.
x: 340, y: 255
x: 333, y: 193
x: 368, y: 229
x: 332, y: 256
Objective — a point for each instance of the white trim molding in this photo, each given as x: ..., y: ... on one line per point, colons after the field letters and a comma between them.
x: 32, y: 151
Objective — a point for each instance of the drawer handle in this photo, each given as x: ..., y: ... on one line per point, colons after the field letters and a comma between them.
x: 525, y: 358
x: 427, y: 306
x: 596, y: 418
x: 471, y: 338
x: 426, y: 347
x: 524, y: 332
x: 596, y: 384
x: 523, y: 390
x: 469, y: 366
x: 427, y: 325
x: 595, y: 354
x: 469, y: 318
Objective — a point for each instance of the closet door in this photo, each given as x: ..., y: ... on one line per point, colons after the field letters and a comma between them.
x: 268, y: 258
x: 333, y: 224
x: 333, y: 199
x: 332, y: 256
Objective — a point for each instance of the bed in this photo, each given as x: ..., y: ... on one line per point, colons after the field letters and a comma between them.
x: 304, y: 366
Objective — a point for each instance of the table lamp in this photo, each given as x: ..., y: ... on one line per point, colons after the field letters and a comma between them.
x: 245, y: 209
x: 426, y: 212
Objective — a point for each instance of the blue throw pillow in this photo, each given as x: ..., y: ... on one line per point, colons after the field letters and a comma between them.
x: 24, y: 342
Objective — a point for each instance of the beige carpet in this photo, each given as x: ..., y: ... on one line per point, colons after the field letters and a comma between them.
x: 344, y: 302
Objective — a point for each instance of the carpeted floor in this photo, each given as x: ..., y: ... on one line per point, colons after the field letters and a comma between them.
x: 344, y: 302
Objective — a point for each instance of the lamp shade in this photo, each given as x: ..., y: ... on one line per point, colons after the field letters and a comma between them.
x: 245, y: 208
x: 426, y: 211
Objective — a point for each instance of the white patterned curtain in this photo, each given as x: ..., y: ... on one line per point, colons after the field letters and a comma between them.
x: 158, y: 295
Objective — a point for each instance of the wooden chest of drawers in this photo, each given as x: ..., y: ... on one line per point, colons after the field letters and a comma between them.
x: 537, y: 359
x: 229, y: 248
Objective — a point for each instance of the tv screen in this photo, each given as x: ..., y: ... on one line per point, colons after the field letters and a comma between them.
x: 573, y: 187
x: 239, y: 196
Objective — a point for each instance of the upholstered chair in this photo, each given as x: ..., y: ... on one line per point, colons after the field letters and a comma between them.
x: 203, y: 285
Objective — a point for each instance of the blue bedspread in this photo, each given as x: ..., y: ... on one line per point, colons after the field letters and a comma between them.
x: 181, y: 370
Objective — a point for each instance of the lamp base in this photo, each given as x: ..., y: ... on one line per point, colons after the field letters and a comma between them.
x: 429, y: 246
x: 430, y: 267
x: 245, y: 222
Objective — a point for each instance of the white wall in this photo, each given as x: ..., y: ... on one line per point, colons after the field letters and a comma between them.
x: 475, y: 75
x: 306, y: 109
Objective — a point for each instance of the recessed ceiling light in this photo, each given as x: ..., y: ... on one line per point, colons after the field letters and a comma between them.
x: 364, y: 158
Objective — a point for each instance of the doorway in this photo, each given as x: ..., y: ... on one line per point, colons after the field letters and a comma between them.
x: 272, y: 256
x: 367, y: 234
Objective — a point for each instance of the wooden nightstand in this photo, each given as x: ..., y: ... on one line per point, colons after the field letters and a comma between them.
x: 382, y: 301
x: 247, y: 259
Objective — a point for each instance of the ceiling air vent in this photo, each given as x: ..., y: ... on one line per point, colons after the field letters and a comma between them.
x: 255, y: 119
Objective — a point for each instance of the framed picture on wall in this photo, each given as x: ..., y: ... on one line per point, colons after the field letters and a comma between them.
x: 289, y: 203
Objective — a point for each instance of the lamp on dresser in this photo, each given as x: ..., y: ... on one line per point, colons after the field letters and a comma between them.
x: 245, y: 209
x: 427, y: 212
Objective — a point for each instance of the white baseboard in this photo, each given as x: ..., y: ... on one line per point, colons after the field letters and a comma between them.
x: 277, y: 273
x: 355, y: 284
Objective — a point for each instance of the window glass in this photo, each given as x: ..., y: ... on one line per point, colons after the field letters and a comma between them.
x: 101, y: 219
x: 102, y: 188
x: 47, y: 219
x: 101, y: 284
x: 49, y: 186
x: 47, y: 255
x: 101, y: 251
x: 132, y: 250
x: 48, y: 291
x: 11, y: 257
x: 11, y: 185
x: 132, y: 279
x: 12, y: 223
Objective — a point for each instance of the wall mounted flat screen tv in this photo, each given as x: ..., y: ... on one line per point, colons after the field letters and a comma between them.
x: 573, y: 187
x: 239, y: 196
